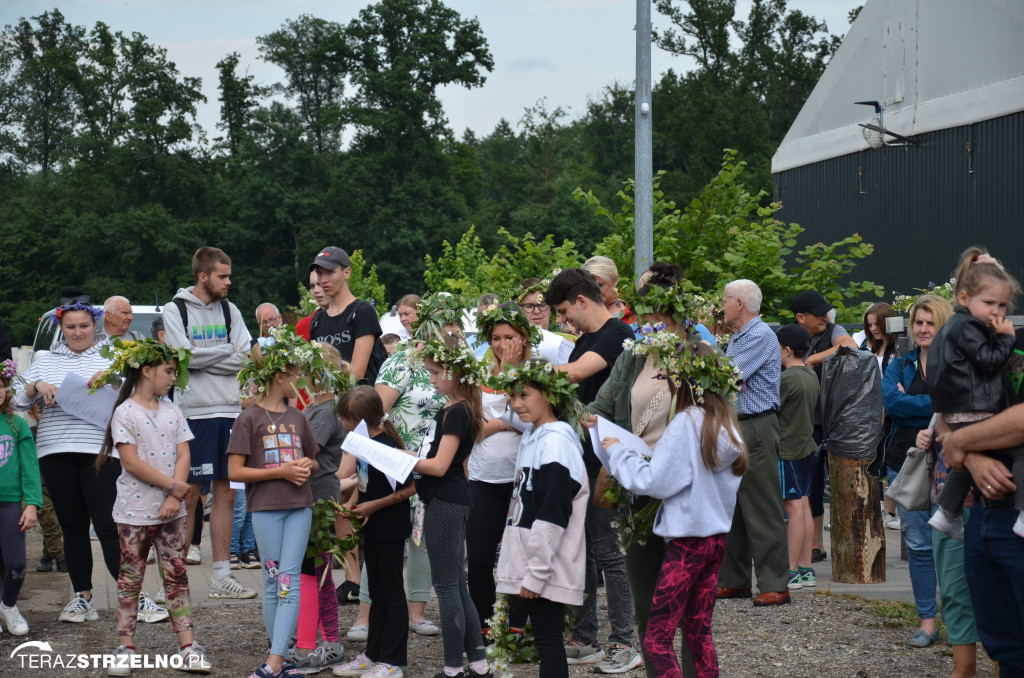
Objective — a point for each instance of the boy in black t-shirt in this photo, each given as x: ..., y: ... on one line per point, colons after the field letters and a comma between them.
x: 575, y: 295
x: 348, y: 323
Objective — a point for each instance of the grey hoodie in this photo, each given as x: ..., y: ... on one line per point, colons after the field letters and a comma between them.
x: 213, y: 390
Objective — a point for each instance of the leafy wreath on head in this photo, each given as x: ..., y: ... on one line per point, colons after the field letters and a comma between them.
x: 679, y: 302
x: 554, y: 384
x: 136, y: 353
x: 712, y: 372
x: 510, y: 314
x: 541, y: 286
x: 452, y: 353
x: 436, y: 312
x: 10, y: 370
x: 282, y: 349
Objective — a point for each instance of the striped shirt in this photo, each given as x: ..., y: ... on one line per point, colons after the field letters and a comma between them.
x: 756, y: 352
x: 59, y: 431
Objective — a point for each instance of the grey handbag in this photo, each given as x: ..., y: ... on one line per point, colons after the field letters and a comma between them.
x: 912, y: 486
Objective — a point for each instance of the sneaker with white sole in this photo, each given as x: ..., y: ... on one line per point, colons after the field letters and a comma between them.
x: 194, y: 659
x: 79, y: 610
x: 358, y: 634
x: 795, y: 580
x: 160, y: 597
x: 807, y: 577
x: 324, y: 656
x: 122, y: 662
x: 619, y: 659
x: 424, y: 627
x: 229, y: 587
x: 951, y: 526
x: 890, y: 521
x: 578, y: 653
x: 149, y: 611
x: 195, y: 556
x: 357, y: 667
x: 383, y: 671
x: 15, y: 623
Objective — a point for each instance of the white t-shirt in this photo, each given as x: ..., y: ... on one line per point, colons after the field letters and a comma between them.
x: 493, y: 459
x: 156, y: 435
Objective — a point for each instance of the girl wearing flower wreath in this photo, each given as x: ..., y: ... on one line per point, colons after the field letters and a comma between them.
x: 543, y: 554
x: 272, y: 450
x: 151, y: 438
x: 384, y: 510
x: 491, y: 465
x: 444, y: 490
x: 695, y: 470
x: 19, y: 481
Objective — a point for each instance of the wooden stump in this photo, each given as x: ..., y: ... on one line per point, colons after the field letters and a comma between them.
x: 858, y: 538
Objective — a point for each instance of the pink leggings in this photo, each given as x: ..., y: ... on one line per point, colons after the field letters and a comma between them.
x: 685, y: 593
x: 318, y: 606
x: 169, y: 541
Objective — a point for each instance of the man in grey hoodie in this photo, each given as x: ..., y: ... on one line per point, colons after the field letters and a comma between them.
x: 202, y: 318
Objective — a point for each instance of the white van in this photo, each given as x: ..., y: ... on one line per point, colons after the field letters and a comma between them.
x: 48, y: 334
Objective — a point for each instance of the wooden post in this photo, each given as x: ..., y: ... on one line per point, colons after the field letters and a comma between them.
x: 858, y: 538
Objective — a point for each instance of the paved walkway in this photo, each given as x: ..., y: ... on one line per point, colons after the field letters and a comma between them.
x: 896, y: 586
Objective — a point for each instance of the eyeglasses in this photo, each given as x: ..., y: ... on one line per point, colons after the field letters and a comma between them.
x: 533, y: 308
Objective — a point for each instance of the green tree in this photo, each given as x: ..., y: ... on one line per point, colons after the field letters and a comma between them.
x: 725, y: 233
x: 315, y: 55
x: 239, y: 97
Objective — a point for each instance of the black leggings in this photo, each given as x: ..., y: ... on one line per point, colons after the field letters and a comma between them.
x: 12, y: 546
x: 81, y: 494
x: 483, y: 534
x: 547, y: 618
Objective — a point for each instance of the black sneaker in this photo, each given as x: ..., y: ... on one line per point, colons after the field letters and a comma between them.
x: 62, y: 565
x: 348, y: 592
x: 817, y: 555
x: 250, y: 560
x: 45, y: 565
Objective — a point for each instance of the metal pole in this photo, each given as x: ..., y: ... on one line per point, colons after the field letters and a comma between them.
x: 643, y: 173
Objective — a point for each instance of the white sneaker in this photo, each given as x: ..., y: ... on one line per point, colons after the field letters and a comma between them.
x: 195, y: 556
x: 15, y: 623
x: 194, y: 659
x: 358, y: 633
x: 387, y: 671
x: 152, y: 555
x: 357, y: 667
x: 122, y: 662
x: 424, y: 627
x: 228, y: 587
x: 150, y: 612
x: 79, y: 610
x: 160, y: 597
x: 891, y: 522
x: 952, y: 527
x: 619, y: 659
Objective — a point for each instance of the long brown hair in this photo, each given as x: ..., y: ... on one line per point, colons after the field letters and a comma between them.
x: 7, y: 408
x: 131, y: 380
x: 881, y: 311
x: 363, y: 403
x: 463, y: 390
x: 718, y: 414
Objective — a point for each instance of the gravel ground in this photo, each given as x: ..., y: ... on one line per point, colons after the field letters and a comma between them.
x: 818, y: 635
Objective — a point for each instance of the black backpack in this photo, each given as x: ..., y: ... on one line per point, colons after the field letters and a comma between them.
x: 183, y: 310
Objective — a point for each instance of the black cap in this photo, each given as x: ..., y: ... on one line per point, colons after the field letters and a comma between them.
x: 794, y: 336
x: 330, y: 258
x: 810, y: 301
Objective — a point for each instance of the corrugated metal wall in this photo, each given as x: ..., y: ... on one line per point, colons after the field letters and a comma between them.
x: 919, y: 205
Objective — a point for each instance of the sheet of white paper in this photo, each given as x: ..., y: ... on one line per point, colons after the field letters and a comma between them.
x: 609, y: 429
x: 73, y: 396
x: 236, y: 486
x: 554, y: 347
x: 515, y: 422
x: 393, y: 463
x: 362, y: 429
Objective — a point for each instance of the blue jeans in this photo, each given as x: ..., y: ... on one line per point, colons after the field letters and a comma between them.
x: 243, y: 539
x: 281, y: 536
x: 994, y: 566
x: 917, y: 533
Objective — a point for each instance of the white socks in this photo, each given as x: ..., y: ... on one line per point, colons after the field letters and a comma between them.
x: 221, y: 569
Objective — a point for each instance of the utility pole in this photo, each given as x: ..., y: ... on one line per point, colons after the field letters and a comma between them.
x: 643, y: 205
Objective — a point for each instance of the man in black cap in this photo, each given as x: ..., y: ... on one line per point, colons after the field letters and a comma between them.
x: 348, y: 323
x: 811, y: 312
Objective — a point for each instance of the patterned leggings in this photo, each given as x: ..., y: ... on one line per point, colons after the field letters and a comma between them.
x: 169, y: 541
x: 685, y: 593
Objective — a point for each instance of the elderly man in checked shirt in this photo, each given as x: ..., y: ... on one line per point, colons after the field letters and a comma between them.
x: 758, y: 530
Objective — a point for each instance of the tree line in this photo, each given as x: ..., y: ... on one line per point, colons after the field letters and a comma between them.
x: 107, y: 181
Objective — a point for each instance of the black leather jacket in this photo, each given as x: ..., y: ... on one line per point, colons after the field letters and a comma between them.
x: 967, y: 366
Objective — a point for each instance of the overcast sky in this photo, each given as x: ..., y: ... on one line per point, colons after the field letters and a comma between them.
x: 563, y: 50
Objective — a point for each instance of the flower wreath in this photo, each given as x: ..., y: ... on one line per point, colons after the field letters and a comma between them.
x: 552, y: 383
x: 135, y: 353
x: 712, y: 372
x: 284, y: 348
x: 510, y: 314
x: 678, y: 302
x: 435, y: 312
x: 452, y: 356
x: 9, y: 371
x: 540, y: 286
x: 77, y: 305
